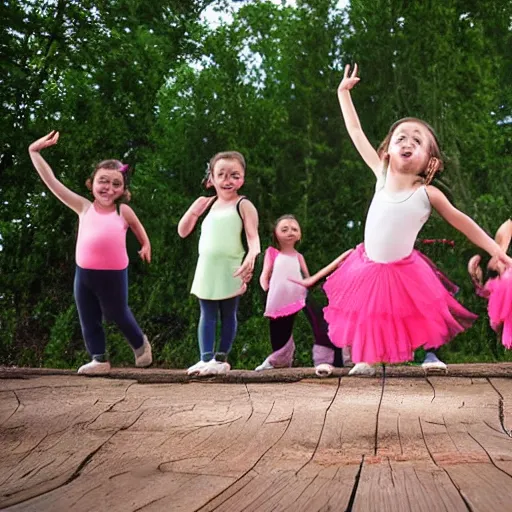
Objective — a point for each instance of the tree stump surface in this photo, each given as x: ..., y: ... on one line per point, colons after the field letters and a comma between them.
x: 156, y: 440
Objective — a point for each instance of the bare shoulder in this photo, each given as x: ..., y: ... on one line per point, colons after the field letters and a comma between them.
x: 127, y: 212
x: 435, y: 195
x: 247, y: 208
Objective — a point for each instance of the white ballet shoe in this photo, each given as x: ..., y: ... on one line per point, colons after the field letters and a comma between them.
x: 324, y: 370
x: 264, y: 366
x: 146, y: 358
x: 94, y: 368
x: 362, y: 369
x: 432, y: 362
x: 214, y: 368
x: 195, y: 369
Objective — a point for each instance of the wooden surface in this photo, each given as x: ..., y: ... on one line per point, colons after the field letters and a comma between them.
x: 428, y: 444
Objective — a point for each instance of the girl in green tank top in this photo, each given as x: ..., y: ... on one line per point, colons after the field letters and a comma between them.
x: 222, y: 272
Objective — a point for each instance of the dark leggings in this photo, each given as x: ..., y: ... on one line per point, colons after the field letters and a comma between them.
x: 281, y: 328
x: 103, y: 294
x: 207, y: 327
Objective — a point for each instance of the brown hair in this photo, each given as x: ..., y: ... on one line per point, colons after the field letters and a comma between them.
x: 112, y: 165
x: 227, y: 155
x: 286, y: 216
x: 435, y: 163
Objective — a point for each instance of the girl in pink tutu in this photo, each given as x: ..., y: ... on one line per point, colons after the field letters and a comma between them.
x: 387, y: 299
x: 282, y: 265
x: 498, y: 288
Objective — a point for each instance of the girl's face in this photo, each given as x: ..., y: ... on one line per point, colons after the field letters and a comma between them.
x: 107, y: 186
x: 288, y: 232
x: 409, y: 147
x: 227, y: 177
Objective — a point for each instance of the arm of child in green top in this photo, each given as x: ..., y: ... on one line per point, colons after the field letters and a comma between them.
x: 249, y: 216
x: 188, y: 222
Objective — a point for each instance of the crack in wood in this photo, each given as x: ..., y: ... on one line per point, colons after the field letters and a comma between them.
x: 83, y: 496
x: 376, y: 437
x: 398, y: 432
x: 27, y: 453
x: 15, y: 410
x: 433, y: 389
x: 501, y: 410
x: 322, y: 429
x: 355, y: 486
x: 491, y: 460
x: 250, y: 401
x: 432, y: 458
x: 248, y: 470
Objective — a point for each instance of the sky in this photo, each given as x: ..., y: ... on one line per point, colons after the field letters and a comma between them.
x: 215, y: 18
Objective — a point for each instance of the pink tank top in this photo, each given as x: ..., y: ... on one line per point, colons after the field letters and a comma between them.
x: 101, y: 243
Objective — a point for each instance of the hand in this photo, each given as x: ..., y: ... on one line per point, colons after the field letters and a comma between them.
x: 308, y: 282
x: 349, y: 80
x: 501, y: 257
x: 246, y: 270
x: 145, y: 253
x: 201, y: 204
x: 474, y: 269
x: 45, y: 142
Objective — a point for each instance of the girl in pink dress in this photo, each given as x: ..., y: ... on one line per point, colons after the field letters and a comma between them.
x: 285, y: 299
x: 387, y: 300
x: 498, y: 288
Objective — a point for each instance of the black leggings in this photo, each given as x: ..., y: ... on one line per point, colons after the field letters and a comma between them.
x: 281, y: 328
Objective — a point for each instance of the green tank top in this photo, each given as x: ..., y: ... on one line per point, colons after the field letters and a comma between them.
x: 220, y: 254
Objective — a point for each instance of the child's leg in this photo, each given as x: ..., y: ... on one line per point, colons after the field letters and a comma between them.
x: 112, y: 289
x: 323, y: 349
x: 281, y: 339
x: 89, y: 313
x: 229, y: 323
x: 207, y: 327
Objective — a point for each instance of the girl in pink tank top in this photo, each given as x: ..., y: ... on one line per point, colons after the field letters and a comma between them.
x: 101, y: 279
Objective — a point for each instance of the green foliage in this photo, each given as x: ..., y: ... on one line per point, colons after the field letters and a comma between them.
x: 153, y: 85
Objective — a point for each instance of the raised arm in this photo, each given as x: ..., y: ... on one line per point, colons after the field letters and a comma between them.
x: 188, y: 222
x: 362, y: 144
x: 250, y: 219
x: 504, y: 235
x: 77, y: 203
x: 139, y: 231
x: 329, y: 269
x: 466, y: 225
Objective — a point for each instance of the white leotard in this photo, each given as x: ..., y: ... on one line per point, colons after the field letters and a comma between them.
x: 394, y: 221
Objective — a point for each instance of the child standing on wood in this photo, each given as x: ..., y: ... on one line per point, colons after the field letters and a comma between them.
x: 101, y: 277
x: 283, y: 266
x: 221, y: 276
x: 387, y: 300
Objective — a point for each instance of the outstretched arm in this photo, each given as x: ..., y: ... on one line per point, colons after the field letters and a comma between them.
x: 362, y: 144
x: 466, y: 225
x: 250, y: 218
x: 310, y: 281
x: 77, y: 203
x: 139, y: 231
x: 188, y: 222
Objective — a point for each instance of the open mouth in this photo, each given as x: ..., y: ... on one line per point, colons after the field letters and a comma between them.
x: 406, y: 154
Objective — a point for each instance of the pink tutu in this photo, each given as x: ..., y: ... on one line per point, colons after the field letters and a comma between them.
x: 500, y: 306
x: 385, y: 311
